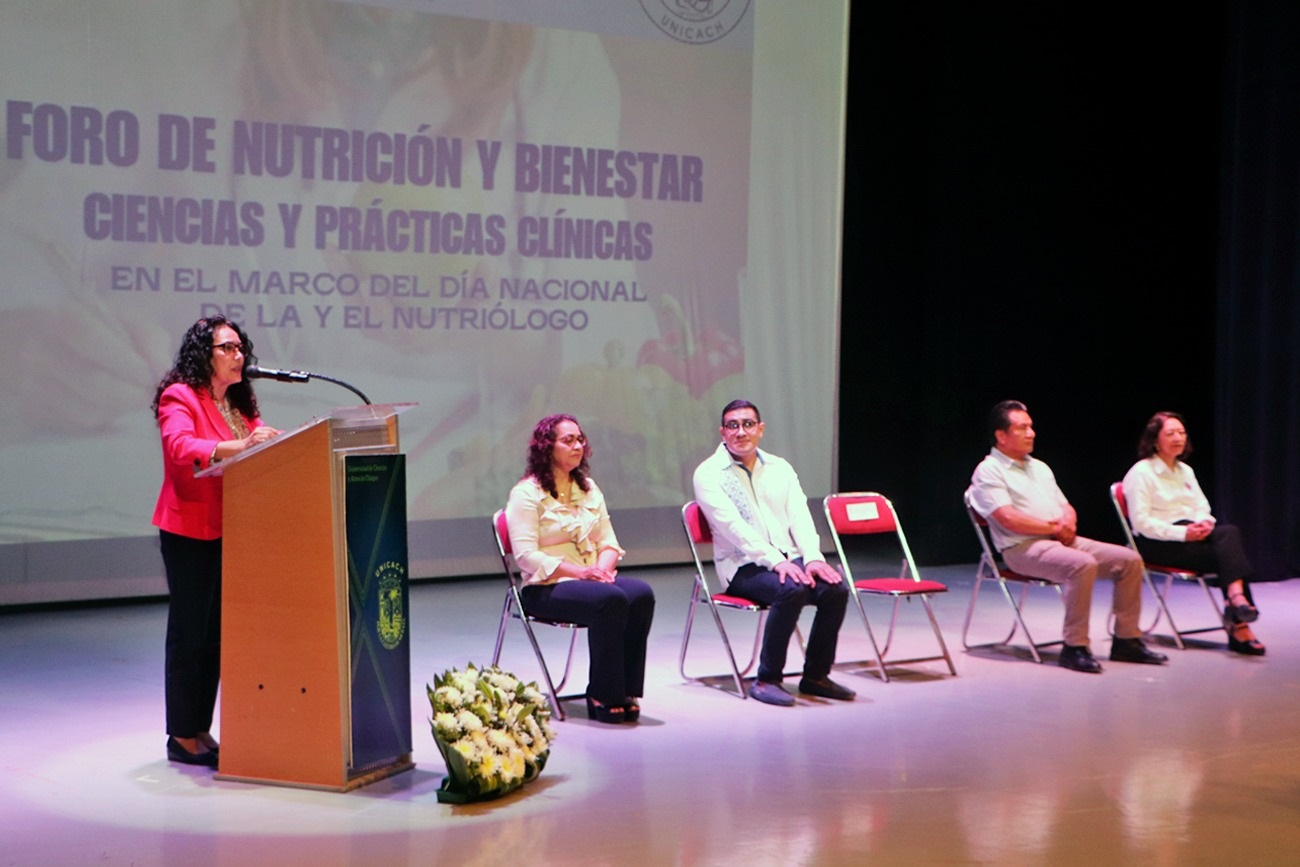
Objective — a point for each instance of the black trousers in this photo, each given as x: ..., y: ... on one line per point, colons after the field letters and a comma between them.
x: 617, y: 617
x: 193, y: 657
x: 1221, y: 553
x: 787, y: 600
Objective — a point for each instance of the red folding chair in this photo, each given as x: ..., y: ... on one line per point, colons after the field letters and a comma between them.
x: 1170, y: 573
x: 698, y: 535
x: 992, y: 569
x: 864, y: 514
x: 513, y: 609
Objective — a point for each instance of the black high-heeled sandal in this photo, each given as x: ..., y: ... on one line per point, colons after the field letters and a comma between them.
x: 1247, y: 647
x: 612, y: 714
x: 1243, y: 613
x: 631, y: 710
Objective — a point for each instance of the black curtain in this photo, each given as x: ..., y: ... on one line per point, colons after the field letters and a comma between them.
x: 1032, y: 195
x: 1258, y: 342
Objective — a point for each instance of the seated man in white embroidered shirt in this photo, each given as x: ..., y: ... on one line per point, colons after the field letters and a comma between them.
x: 766, y: 546
x: 1034, y: 527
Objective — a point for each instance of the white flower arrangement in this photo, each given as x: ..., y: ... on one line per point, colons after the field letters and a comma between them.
x: 493, y: 730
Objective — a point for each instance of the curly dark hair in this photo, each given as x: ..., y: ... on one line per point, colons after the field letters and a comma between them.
x: 193, y: 365
x: 1150, y: 433
x: 540, y: 449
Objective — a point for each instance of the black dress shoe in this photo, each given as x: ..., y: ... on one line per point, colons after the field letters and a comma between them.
x: 1133, y: 650
x: 1079, y: 658
x: 824, y: 687
x: 178, y: 753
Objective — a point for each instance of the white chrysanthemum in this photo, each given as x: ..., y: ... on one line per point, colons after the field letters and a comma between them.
x: 469, y: 750
x: 488, y: 767
x: 500, y: 741
x: 446, y: 726
x: 532, y: 695
x: 447, y: 698
x: 468, y: 721
x: 503, y: 682
x: 464, y: 680
x: 513, y: 766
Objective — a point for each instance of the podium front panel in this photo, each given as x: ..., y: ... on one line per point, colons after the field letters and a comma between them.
x: 379, y: 607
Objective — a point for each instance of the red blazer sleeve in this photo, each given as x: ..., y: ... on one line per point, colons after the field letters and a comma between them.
x: 190, y: 426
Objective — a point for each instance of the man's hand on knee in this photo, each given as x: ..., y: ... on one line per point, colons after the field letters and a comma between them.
x: 824, y: 571
x: 789, y: 569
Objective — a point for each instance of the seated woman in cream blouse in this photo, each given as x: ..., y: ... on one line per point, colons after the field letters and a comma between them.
x: 566, y: 549
x: 1173, y: 526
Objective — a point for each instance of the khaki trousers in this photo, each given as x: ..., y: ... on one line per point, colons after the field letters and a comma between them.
x: 1076, y: 568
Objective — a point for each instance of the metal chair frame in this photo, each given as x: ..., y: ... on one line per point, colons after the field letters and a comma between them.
x: 698, y: 533
x: 870, y: 513
x: 990, y: 570
x: 513, y: 608
x: 1170, y: 573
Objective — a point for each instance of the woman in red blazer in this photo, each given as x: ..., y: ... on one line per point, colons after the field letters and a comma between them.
x: 206, y: 411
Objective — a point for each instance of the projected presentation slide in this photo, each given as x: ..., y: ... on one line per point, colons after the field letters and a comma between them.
x: 612, y: 209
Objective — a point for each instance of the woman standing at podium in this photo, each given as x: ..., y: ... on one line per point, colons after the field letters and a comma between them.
x: 567, y: 552
x: 206, y: 411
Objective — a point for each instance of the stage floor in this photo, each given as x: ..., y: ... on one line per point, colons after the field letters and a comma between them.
x: 1008, y: 763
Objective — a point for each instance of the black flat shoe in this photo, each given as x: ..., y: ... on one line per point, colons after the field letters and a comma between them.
x: 1250, y: 647
x: 178, y: 753
x: 612, y: 714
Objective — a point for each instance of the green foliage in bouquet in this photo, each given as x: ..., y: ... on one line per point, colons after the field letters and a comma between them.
x: 493, y: 730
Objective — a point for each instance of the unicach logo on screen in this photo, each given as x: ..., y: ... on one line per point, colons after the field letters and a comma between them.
x: 696, y: 22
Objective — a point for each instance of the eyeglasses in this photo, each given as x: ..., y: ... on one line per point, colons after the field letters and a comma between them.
x: 231, y: 348
x: 572, y: 439
x: 747, y: 424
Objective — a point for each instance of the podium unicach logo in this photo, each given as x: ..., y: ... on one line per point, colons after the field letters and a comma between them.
x: 392, y: 611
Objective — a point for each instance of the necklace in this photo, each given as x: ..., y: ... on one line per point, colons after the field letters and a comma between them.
x: 233, y: 419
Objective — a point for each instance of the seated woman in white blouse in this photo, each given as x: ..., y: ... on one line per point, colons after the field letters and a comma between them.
x: 567, y: 551
x: 1173, y: 526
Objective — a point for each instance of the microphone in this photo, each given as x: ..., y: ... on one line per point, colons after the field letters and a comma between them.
x: 254, y: 371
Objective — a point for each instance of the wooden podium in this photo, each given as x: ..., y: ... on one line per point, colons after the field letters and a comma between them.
x: 298, y: 652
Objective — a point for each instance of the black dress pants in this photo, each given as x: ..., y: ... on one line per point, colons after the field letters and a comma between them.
x: 193, y: 655
x: 787, y: 600
x: 1221, y: 553
x: 617, y: 617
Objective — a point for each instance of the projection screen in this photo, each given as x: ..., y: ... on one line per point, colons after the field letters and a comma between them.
x: 628, y: 210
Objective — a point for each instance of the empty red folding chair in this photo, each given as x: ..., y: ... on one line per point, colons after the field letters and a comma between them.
x: 865, y: 514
